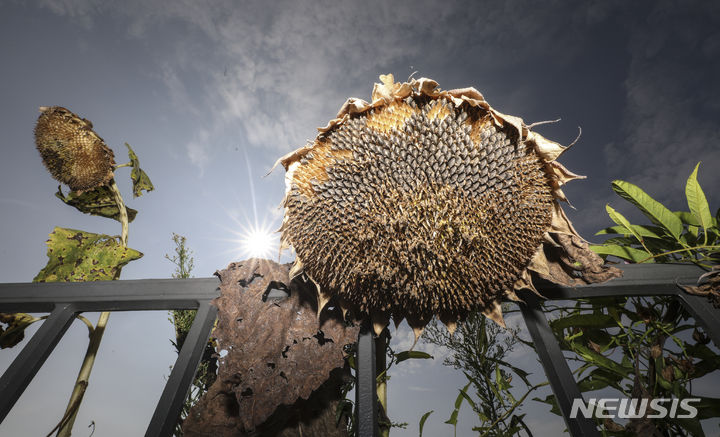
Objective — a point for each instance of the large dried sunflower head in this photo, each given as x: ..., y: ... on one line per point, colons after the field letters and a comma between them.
x: 71, y: 151
x: 427, y: 202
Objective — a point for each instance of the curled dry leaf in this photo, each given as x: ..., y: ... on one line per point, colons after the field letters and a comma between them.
x: 275, y: 353
x: 708, y: 285
x: 425, y: 202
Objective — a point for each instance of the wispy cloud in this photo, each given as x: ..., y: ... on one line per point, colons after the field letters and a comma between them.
x: 274, y: 74
x: 198, y: 149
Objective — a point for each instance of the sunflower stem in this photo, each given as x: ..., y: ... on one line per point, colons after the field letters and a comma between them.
x: 123, y: 211
x: 65, y: 425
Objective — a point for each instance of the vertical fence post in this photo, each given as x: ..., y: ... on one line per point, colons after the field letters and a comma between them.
x: 366, y: 387
x: 556, y: 367
x: 173, y: 397
x: 704, y: 314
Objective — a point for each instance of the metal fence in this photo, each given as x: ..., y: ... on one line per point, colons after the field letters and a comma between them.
x: 637, y: 280
x: 65, y: 300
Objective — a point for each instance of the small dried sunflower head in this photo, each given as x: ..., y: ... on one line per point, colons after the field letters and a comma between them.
x: 71, y: 151
x: 428, y: 203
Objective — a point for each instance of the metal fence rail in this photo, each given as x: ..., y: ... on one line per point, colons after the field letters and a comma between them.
x: 65, y: 300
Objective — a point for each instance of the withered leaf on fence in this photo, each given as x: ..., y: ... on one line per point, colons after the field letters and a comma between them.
x: 78, y: 256
x: 98, y: 201
x: 274, y: 352
x: 708, y: 285
x: 14, y: 333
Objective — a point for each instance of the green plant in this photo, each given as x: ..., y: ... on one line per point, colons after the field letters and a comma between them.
x: 75, y: 155
x: 679, y: 236
x: 182, y: 321
x: 479, y: 348
x: 646, y: 347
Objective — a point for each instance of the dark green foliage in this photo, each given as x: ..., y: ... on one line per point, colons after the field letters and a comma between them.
x: 680, y: 236
x: 646, y: 347
x: 423, y: 419
x: 638, y: 347
x: 479, y: 348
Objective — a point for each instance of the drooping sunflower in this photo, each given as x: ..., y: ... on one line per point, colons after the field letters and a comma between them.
x: 71, y: 150
x: 428, y: 202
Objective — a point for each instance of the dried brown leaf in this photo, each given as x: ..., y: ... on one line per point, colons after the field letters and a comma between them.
x: 278, y: 353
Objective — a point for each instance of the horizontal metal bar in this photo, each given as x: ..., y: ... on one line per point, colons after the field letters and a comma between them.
x: 173, y: 397
x: 556, y: 367
x: 123, y: 295
x: 637, y: 280
x: 22, y: 370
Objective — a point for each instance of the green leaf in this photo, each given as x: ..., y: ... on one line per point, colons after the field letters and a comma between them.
x: 687, y: 218
x: 709, y: 361
x: 644, y: 231
x: 628, y: 253
x: 550, y: 400
x: 99, y: 201
x: 459, y: 399
x: 77, y: 256
x: 584, y: 320
x: 15, y: 331
x: 406, y: 355
x: 621, y: 241
x: 598, y: 379
x: 470, y: 400
x: 423, y: 419
x: 653, y: 209
x: 344, y: 407
x: 453, y: 418
x: 697, y: 201
x: 601, y: 361
x: 520, y: 372
x: 707, y: 407
x: 458, y: 402
x: 693, y: 426
x: 620, y: 220
x: 141, y: 181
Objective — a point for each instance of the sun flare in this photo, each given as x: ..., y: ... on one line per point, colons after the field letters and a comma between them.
x: 258, y: 242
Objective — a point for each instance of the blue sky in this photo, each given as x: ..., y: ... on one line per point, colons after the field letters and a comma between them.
x: 210, y: 94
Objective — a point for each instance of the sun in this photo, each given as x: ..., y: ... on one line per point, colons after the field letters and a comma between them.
x: 258, y: 242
